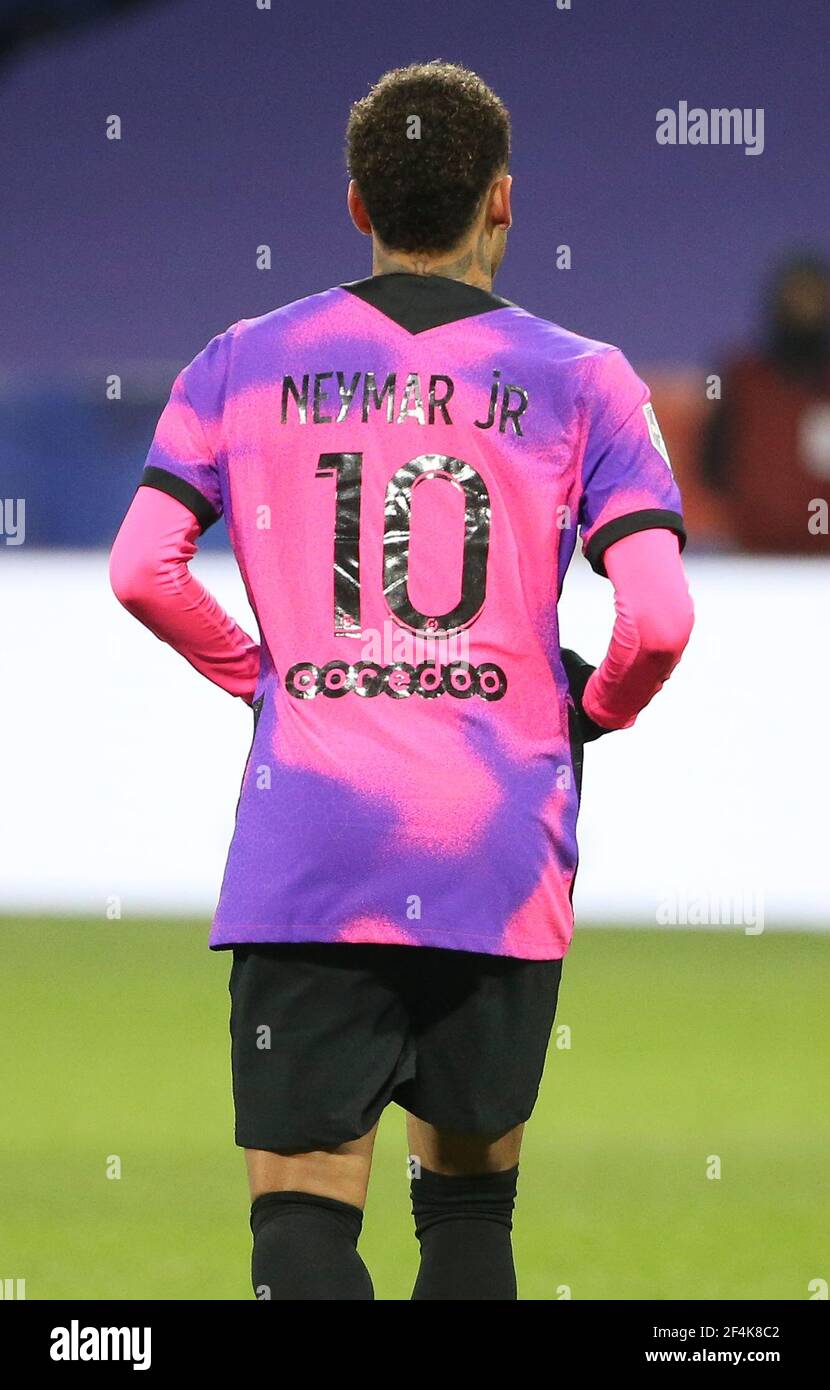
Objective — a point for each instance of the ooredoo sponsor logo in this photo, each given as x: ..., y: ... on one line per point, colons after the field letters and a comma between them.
x: 399, y: 680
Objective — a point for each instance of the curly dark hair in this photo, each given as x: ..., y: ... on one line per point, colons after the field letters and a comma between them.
x: 422, y: 193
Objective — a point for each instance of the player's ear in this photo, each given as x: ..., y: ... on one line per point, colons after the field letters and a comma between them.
x: 500, y: 211
x: 357, y: 209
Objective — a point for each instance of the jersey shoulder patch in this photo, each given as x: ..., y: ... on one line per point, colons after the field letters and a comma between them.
x: 655, y: 433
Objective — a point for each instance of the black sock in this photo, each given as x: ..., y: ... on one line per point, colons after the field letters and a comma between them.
x: 305, y: 1247
x: 464, y: 1225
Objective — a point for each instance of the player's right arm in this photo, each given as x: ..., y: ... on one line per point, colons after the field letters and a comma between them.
x: 654, y: 621
x: 632, y: 531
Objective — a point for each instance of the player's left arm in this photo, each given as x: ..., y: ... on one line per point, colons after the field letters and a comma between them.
x: 149, y: 574
x: 180, y: 495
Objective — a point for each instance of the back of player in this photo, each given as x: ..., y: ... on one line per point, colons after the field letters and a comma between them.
x: 404, y: 464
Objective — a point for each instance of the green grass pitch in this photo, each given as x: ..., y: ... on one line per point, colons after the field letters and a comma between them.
x: 683, y: 1046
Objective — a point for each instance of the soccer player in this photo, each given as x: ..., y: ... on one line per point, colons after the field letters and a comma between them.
x: 403, y: 463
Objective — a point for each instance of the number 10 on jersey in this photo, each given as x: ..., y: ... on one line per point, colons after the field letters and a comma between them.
x: 347, y: 470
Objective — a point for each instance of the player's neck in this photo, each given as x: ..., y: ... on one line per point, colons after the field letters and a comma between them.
x: 470, y: 264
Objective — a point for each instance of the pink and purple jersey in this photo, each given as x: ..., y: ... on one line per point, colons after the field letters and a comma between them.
x: 403, y: 464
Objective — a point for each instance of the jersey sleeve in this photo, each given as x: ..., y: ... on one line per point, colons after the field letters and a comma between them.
x: 183, y: 455
x: 627, y: 482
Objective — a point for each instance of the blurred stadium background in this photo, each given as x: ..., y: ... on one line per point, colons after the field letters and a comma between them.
x: 122, y: 258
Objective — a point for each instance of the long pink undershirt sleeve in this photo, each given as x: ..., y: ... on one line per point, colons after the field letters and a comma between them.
x: 150, y: 576
x: 653, y: 624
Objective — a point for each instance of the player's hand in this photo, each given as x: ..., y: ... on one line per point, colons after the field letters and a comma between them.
x: 579, y: 672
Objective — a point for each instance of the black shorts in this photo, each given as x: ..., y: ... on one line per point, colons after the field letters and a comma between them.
x: 324, y: 1036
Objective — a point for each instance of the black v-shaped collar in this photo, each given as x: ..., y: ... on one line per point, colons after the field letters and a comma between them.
x: 420, y: 302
